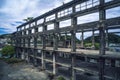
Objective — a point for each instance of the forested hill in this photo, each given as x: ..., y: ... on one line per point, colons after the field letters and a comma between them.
x: 112, y: 38
x: 5, y: 36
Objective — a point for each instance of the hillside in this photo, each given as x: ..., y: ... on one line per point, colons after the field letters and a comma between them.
x: 112, y: 38
x: 5, y: 36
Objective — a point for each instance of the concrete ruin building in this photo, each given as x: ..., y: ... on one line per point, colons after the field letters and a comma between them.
x: 42, y: 46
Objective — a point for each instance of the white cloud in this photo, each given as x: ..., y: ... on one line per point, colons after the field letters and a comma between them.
x: 17, y: 10
x: 66, y: 1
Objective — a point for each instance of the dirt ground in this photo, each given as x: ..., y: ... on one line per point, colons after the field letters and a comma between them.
x: 20, y: 71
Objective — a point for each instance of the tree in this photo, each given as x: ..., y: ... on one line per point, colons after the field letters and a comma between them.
x: 8, y: 51
x: 28, y: 19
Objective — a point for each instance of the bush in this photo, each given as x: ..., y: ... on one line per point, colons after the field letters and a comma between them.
x: 8, y: 51
x: 11, y: 60
x: 97, y: 46
x: 61, y: 78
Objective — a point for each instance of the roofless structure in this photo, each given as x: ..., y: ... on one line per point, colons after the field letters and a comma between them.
x: 44, y: 42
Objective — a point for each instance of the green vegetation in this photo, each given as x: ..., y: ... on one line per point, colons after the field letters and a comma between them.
x: 61, y: 78
x: 68, y: 37
x: 8, y: 51
x: 91, y: 45
x: 11, y: 60
x: 5, y: 35
x: 112, y: 38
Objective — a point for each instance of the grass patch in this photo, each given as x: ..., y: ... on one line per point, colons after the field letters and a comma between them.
x: 61, y: 78
x: 11, y: 60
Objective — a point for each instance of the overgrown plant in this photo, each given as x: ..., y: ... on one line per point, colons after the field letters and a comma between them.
x: 8, y: 51
x: 61, y: 78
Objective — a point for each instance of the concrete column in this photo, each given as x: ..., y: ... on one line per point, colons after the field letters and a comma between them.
x: 43, y: 41
x: 112, y: 63
x: 73, y: 41
x: 28, y: 58
x: 55, y: 42
x: 23, y: 54
x: 43, y: 61
x: 35, y: 52
x: 82, y: 39
x: 55, y: 35
x: 43, y: 36
x: 93, y: 39
x: 102, y: 39
x: 73, y: 71
x: 107, y: 41
x: 54, y: 63
x: 102, y: 52
x: 28, y: 52
x: 23, y: 42
x: 35, y: 60
x: 73, y: 34
x: 65, y: 40
x: 20, y: 42
x: 28, y: 42
x: 35, y: 42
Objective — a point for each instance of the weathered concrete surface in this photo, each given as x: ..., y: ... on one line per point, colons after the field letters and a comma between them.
x: 20, y: 71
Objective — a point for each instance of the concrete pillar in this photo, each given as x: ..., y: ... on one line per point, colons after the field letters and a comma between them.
x: 102, y: 39
x: 28, y: 58
x: 42, y: 60
x: 107, y: 41
x: 28, y: 51
x: 55, y: 42
x: 35, y: 54
x: 35, y: 51
x: 35, y: 44
x: 73, y: 71
x: 55, y: 47
x: 54, y: 63
x: 43, y: 41
x: 102, y: 52
x: 28, y: 42
x: 112, y: 63
x: 82, y: 39
x: 23, y: 54
x: 43, y: 36
x: 73, y: 33
x: 65, y: 40
x: 73, y: 41
x: 20, y: 42
x: 93, y: 39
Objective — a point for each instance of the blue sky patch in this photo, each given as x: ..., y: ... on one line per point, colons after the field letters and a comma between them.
x: 13, y: 12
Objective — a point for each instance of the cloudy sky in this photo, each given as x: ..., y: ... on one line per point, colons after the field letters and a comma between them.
x: 12, y: 12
